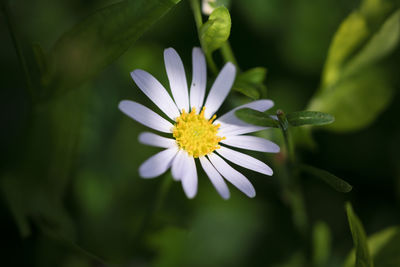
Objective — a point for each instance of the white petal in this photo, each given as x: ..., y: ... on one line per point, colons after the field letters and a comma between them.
x: 178, y: 165
x: 189, y: 178
x: 145, y: 116
x: 220, y: 89
x: 251, y: 143
x: 199, y: 80
x: 232, y: 130
x: 156, y: 92
x: 231, y: 125
x: 152, y: 139
x: 259, y: 105
x: 157, y: 164
x: 244, y: 160
x: 215, y: 178
x: 177, y: 78
x: 232, y: 175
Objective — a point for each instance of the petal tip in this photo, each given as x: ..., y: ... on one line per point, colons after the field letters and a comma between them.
x: 123, y: 104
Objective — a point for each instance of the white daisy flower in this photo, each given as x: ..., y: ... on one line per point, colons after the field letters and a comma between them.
x: 195, y: 134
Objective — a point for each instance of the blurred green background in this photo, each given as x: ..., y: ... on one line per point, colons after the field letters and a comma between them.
x: 70, y: 190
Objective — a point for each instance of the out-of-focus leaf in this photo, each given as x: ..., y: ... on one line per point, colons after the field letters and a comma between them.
x: 384, y: 247
x: 321, y: 243
x: 363, y: 258
x: 335, y: 182
x: 254, y: 75
x: 256, y: 117
x: 216, y: 30
x: 380, y: 45
x: 375, y: 11
x: 357, y: 101
x: 349, y: 37
x: 98, y: 40
x: 250, y: 82
x: 300, y: 118
x: 354, y: 88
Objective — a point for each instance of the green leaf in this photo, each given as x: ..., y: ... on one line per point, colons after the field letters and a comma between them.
x: 363, y: 258
x: 98, y: 40
x: 251, y: 82
x: 355, y: 89
x: 335, y: 182
x: 216, y: 30
x: 355, y: 102
x: 322, y: 239
x: 384, y: 247
x: 380, y: 45
x: 300, y: 118
x: 375, y: 10
x: 351, y: 34
x: 256, y: 118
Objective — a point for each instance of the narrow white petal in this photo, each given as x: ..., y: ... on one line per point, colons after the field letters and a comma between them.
x: 189, y: 178
x: 145, y: 116
x: 157, y: 164
x: 259, y: 105
x: 215, y: 178
x: 177, y: 78
x: 232, y: 175
x: 231, y: 125
x: 156, y: 92
x: 152, y: 139
x: 232, y: 130
x: 178, y: 165
x: 199, y: 79
x: 251, y: 143
x: 220, y: 89
x: 244, y: 160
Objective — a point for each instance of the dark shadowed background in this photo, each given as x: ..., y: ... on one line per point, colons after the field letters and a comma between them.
x: 70, y: 190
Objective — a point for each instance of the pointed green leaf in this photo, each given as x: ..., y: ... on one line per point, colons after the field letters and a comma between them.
x: 380, y: 45
x: 300, y: 118
x: 251, y: 82
x: 256, y: 118
x: 216, y: 30
x: 98, y: 40
x: 363, y: 258
x: 384, y: 247
x: 332, y: 180
x: 349, y: 37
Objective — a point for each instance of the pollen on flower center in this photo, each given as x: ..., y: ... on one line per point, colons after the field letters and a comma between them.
x: 195, y: 134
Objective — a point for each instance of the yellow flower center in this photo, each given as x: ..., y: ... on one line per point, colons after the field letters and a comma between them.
x: 195, y: 134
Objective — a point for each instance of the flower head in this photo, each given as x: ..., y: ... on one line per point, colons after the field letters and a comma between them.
x: 196, y: 133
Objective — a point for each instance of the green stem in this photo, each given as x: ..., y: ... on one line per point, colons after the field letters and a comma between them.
x: 212, y: 64
x: 227, y: 53
x: 293, y: 188
x: 197, y: 14
x: 195, y: 4
x: 18, y: 47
